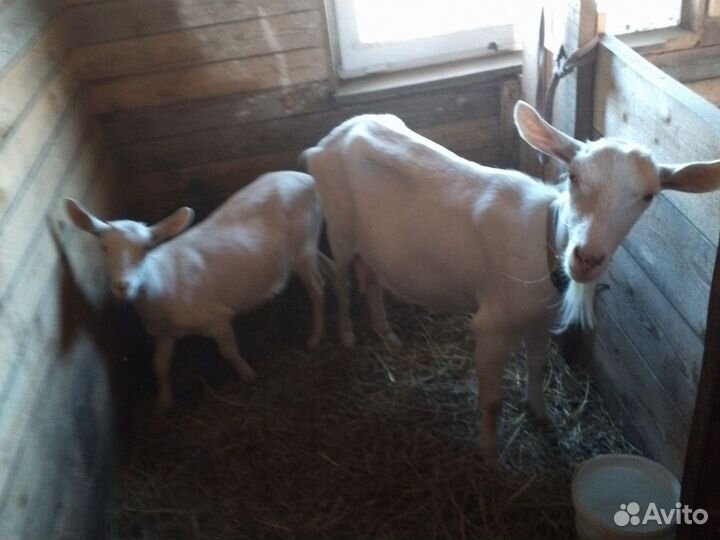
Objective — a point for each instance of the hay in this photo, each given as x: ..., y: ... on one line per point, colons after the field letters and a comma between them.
x: 368, y: 443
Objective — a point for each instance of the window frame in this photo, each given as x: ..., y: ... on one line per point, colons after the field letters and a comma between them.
x: 353, y: 59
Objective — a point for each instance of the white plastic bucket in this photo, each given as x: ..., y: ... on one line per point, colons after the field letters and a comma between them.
x: 612, y: 493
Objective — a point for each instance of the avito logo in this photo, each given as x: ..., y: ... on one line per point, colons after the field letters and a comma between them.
x: 630, y: 515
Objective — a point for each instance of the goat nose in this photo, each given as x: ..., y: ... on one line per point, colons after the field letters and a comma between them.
x: 587, y: 259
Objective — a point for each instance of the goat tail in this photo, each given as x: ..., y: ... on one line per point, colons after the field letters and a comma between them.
x: 326, y: 266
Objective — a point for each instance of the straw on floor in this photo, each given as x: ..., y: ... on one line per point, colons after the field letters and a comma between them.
x: 367, y: 443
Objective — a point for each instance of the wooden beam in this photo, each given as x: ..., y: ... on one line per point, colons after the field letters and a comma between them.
x: 510, y: 92
x: 709, y: 89
x: 689, y: 65
x: 209, y: 80
x: 702, y: 475
x: 624, y: 377
x: 25, y: 141
x: 693, y: 14
x: 20, y: 23
x: 96, y: 22
x: 135, y: 125
x: 676, y: 257
x: 283, y: 134
x: 194, y: 46
x: 664, y: 341
x: 26, y: 75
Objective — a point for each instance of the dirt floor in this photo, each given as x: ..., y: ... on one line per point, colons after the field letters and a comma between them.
x: 363, y: 443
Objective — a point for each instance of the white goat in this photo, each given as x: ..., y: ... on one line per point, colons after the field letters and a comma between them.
x: 450, y: 234
x: 233, y: 261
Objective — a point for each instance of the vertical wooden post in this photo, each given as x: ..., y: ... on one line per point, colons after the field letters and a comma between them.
x: 509, y: 94
x: 574, y: 98
x: 701, y: 477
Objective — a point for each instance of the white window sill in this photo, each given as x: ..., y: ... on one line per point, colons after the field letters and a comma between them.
x: 382, y: 85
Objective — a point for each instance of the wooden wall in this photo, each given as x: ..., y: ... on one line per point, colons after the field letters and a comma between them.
x: 197, y: 97
x: 696, y: 66
x: 55, y: 424
x: 648, y: 347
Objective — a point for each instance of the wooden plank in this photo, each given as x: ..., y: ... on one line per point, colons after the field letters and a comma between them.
x: 201, y: 45
x: 573, y: 101
x: 155, y: 122
x: 708, y: 89
x: 465, y: 135
x: 700, y: 480
x: 664, y: 239
x: 16, y: 302
x: 20, y: 223
x: 298, y: 132
x: 78, y: 454
x: 713, y: 8
x: 25, y: 142
x: 510, y: 93
x: 689, y: 65
x: 210, y: 80
x: 20, y: 22
x: 21, y: 79
x: 662, y: 338
x: 692, y: 14
x: 205, y: 186
x: 137, y: 125
x: 625, y: 375
x: 637, y: 101
x: 118, y: 19
x: 31, y: 323
x: 48, y: 465
x: 710, y: 33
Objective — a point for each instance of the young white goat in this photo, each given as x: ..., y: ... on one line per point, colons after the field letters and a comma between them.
x: 450, y: 234
x: 236, y: 259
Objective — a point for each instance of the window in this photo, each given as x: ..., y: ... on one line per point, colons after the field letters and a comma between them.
x: 375, y: 36
x: 626, y: 16
x: 386, y: 35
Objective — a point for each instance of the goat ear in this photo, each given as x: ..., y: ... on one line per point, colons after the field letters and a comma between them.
x: 83, y: 219
x: 172, y: 225
x: 542, y: 136
x: 698, y: 177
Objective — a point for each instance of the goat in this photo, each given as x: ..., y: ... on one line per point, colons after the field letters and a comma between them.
x: 450, y: 234
x: 239, y: 257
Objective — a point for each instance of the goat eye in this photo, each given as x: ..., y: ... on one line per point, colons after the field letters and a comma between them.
x: 573, y: 178
x: 648, y: 197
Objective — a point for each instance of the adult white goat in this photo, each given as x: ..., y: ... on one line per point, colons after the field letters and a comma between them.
x: 450, y: 234
x: 236, y: 259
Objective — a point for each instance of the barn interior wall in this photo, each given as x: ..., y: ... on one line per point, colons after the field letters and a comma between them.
x: 55, y: 419
x: 198, y: 97
x: 647, y: 350
x: 193, y: 99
